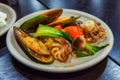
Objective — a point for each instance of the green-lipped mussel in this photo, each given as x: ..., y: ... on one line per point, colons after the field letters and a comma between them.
x: 33, y: 47
x: 43, y: 18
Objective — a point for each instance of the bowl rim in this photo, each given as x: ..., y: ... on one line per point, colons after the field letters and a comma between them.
x: 60, y: 70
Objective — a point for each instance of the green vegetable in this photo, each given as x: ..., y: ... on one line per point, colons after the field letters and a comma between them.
x: 44, y: 30
x: 81, y: 54
x: 90, y: 50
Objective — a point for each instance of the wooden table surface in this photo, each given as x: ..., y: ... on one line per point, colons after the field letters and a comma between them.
x: 107, y: 69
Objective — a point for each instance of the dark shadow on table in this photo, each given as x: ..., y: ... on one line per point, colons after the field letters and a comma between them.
x: 92, y: 73
x: 3, y: 41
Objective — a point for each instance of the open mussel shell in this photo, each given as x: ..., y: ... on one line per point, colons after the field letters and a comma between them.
x: 52, y: 15
x: 65, y: 21
x: 43, y: 18
x: 46, y: 59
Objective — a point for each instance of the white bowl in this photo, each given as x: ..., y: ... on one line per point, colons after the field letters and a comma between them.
x: 11, y: 17
x: 76, y: 64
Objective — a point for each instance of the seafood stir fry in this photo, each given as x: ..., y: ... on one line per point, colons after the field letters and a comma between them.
x: 48, y: 37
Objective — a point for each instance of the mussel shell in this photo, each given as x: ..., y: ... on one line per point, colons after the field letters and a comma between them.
x: 65, y: 21
x: 43, y: 18
x: 31, y: 54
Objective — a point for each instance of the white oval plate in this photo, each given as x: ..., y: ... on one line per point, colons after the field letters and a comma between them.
x: 11, y: 17
x: 75, y: 64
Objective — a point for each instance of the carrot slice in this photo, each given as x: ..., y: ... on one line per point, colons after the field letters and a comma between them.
x: 74, y: 31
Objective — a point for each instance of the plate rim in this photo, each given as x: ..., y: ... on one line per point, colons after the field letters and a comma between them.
x: 61, y: 70
x: 12, y: 11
